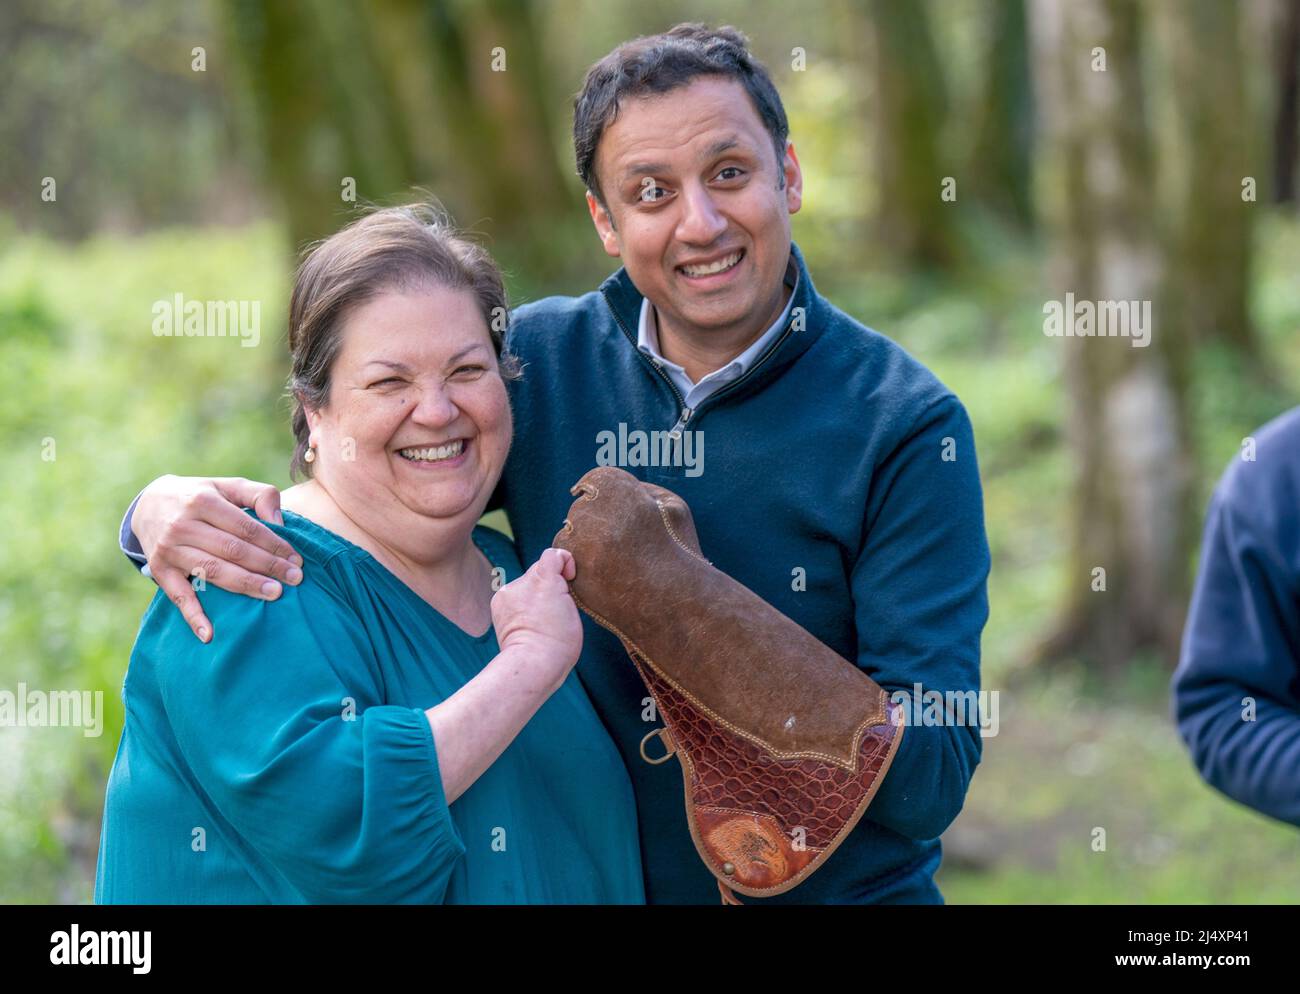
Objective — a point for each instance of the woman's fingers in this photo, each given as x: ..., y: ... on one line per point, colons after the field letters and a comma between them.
x: 568, y: 568
x: 536, y: 613
x: 176, y: 585
x: 556, y: 562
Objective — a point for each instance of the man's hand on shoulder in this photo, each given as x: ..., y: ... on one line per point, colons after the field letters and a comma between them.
x: 194, y: 526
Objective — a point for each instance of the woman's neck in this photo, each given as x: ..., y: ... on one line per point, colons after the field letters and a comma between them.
x: 442, y: 565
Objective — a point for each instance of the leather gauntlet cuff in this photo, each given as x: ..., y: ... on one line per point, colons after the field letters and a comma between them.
x: 782, y: 741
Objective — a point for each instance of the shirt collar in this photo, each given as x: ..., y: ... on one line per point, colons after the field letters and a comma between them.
x: 647, y: 336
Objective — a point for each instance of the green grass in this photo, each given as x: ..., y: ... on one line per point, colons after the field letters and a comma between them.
x: 1064, y: 764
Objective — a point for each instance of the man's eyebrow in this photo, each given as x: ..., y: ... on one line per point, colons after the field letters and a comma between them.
x: 653, y: 168
x: 644, y: 169
x: 720, y: 146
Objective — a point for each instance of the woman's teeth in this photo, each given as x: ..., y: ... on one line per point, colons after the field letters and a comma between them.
x: 449, y: 451
x: 714, y: 267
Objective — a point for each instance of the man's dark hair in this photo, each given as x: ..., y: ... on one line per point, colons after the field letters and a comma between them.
x: 656, y: 64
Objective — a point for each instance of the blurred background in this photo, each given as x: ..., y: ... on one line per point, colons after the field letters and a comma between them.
x: 965, y: 161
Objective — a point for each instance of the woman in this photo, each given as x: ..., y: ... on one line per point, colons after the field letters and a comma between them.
x: 387, y: 730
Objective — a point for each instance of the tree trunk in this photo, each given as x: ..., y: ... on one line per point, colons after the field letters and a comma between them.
x: 1000, y: 167
x: 1212, y: 224
x: 1287, y: 114
x: 401, y: 94
x: 301, y: 154
x: 1130, y: 502
x: 914, y: 223
x: 498, y: 120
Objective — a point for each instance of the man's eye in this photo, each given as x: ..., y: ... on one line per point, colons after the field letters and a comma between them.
x: 731, y: 169
x: 648, y: 193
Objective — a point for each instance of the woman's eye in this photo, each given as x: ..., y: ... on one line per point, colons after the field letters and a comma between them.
x: 470, y: 369
x: 385, y: 382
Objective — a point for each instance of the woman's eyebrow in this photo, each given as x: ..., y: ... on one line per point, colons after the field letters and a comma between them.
x: 466, y: 351
x: 401, y: 367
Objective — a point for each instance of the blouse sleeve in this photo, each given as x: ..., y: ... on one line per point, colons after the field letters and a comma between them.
x: 281, y: 722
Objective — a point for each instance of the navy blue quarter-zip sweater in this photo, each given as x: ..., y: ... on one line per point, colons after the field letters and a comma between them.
x: 1236, y: 693
x: 838, y: 481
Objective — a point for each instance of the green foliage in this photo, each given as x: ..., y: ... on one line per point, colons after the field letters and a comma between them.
x: 102, y: 97
x: 1073, y: 751
x: 92, y: 406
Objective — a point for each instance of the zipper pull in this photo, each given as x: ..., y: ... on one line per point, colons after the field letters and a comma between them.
x: 676, y: 431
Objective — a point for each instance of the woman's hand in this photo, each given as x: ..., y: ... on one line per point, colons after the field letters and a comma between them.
x: 540, y: 635
x: 535, y: 616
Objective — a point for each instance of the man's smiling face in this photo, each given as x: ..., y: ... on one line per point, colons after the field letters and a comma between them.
x: 696, y: 208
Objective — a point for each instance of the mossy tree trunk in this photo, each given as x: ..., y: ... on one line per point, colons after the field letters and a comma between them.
x: 1000, y: 168
x: 1213, y: 212
x: 450, y: 97
x: 913, y: 224
x: 1126, y: 426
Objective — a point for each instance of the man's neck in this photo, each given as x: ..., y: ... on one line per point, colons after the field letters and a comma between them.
x: 701, y: 354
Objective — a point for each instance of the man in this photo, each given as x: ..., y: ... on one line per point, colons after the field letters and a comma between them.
x: 1237, y: 687
x: 839, y: 480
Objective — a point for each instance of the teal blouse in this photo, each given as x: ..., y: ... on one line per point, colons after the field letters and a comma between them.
x: 290, y: 761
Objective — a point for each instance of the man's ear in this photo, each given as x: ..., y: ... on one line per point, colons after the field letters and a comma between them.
x: 604, y: 226
x: 793, y: 179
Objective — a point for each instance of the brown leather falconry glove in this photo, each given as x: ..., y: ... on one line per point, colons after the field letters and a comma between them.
x: 782, y: 741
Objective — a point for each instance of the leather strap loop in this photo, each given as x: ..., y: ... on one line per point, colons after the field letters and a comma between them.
x: 667, y: 741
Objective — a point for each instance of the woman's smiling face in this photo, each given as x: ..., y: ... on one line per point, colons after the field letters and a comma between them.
x: 418, y: 419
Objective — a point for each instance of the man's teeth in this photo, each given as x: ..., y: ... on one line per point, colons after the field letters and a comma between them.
x: 449, y: 451
x: 712, y: 267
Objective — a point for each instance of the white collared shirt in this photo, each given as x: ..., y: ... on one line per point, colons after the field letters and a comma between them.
x: 647, y: 340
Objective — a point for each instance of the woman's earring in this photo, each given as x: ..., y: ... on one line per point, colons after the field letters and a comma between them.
x: 310, y: 454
